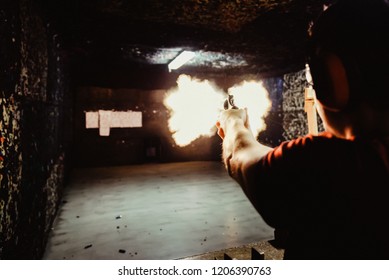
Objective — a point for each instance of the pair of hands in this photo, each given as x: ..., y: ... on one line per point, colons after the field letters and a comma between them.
x: 228, y: 117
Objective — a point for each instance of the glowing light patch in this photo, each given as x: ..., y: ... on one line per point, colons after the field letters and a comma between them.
x: 253, y: 96
x: 180, y: 60
x: 195, y: 105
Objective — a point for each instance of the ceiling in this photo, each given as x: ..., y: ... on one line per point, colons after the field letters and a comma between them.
x: 263, y: 37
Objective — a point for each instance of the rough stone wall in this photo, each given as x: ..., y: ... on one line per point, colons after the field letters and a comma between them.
x: 295, y: 121
x: 11, y: 157
x: 33, y: 125
x: 287, y: 118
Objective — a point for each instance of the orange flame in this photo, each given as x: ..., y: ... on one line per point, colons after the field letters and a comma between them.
x: 194, y: 107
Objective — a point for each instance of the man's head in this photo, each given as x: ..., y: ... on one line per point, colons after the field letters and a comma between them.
x: 349, y: 57
x: 351, y: 38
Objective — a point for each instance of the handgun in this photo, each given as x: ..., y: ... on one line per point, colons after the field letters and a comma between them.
x: 229, y: 103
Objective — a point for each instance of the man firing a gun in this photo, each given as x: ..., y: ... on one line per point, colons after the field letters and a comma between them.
x: 328, y: 192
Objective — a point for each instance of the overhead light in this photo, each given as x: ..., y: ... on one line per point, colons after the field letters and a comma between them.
x: 180, y: 60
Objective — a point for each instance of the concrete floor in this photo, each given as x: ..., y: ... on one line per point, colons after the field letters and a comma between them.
x: 151, y: 212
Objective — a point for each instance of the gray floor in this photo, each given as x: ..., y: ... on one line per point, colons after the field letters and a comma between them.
x: 153, y: 211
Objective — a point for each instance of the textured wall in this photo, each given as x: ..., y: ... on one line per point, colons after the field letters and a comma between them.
x: 294, y: 117
x: 295, y: 120
x: 33, y: 121
x: 11, y: 157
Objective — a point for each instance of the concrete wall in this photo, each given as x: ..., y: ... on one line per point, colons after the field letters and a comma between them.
x: 35, y: 121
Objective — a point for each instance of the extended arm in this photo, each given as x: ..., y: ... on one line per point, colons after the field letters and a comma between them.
x: 241, y: 151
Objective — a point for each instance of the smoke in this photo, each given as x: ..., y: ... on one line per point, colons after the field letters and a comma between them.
x: 195, y: 105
